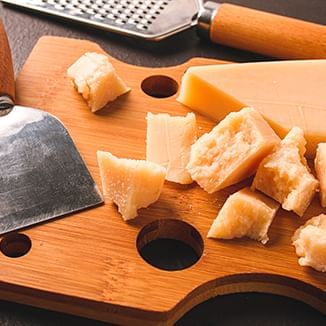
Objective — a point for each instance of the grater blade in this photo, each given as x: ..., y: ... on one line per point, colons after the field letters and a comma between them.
x: 148, y: 19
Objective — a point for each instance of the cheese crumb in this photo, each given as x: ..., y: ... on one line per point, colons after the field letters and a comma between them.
x: 130, y: 184
x: 284, y: 174
x: 310, y: 243
x: 96, y: 80
x: 245, y: 213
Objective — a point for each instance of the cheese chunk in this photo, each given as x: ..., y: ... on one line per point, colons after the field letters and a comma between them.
x: 245, y: 213
x: 320, y: 167
x: 310, y: 243
x: 284, y: 174
x: 96, y: 80
x: 168, y: 144
x: 232, y: 150
x: 130, y: 184
x: 287, y: 93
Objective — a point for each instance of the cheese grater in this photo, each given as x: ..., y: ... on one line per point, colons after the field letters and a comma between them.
x: 227, y: 24
x: 150, y: 19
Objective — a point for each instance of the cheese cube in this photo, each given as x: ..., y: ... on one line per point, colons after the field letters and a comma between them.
x: 287, y: 93
x: 284, y: 174
x: 320, y: 167
x: 245, y: 213
x: 96, y: 80
x: 130, y: 184
x: 168, y: 144
x: 232, y: 150
x: 310, y: 243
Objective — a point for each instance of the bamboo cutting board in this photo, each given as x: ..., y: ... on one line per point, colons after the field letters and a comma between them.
x: 88, y: 263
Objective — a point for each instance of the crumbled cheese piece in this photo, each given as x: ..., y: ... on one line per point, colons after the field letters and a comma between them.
x: 130, y: 184
x: 232, y: 150
x: 245, y: 213
x: 310, y: 243
x: 168, y: 143
x: 96, y: 80
x: 284, y: 174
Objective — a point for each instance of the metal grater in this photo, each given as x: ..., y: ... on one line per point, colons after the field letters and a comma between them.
x: 149, y: 19
x: 226, y: 24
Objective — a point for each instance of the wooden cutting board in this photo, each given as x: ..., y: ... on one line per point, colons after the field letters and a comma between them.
x: 88, y: 263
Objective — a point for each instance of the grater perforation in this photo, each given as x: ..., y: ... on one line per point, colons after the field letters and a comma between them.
x: 140, y: 14
x: 151, y: 19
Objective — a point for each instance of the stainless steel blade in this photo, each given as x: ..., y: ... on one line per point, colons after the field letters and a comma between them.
x: 42, y: 175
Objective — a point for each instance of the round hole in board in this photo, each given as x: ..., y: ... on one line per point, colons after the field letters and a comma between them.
x: 170, y: 244
x: 15, y: 245
x: 159, y: 86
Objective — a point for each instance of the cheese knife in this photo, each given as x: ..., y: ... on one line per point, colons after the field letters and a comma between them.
x: 42, y: 175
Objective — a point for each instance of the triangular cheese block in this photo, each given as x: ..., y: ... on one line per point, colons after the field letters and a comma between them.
x: 287, y: 93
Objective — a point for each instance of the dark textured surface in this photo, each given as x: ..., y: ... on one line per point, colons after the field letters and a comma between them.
x: 24, y: 28
x: 245, y: 309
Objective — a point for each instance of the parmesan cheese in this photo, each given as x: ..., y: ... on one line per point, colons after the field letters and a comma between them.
x: 130, y: 184
x: 310, y: 243
x: 245, y: 213
x: 286, y: 93
x: 284, y: 174
x: 168, y: 143
x: 320, y: 167
x: 232, y: 151
x: 96, y: 80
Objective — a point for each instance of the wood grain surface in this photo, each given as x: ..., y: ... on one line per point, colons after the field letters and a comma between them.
x: 7, y: 83
x: 88, y: 264
x: 269, y: 34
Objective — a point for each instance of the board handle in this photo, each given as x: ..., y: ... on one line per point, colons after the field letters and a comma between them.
x: 7, y: 81
x: 265, y: 33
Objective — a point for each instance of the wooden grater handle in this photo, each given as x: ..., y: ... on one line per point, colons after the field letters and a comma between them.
x: 266, y: 33
x: 7, y: 81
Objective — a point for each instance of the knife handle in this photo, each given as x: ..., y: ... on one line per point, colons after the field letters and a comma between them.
x: 265, y: 33
x: 7, y: 81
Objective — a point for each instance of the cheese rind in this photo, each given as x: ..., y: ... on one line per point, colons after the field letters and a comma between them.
x: 130, y: 184
x: 168, y: 143
x: 231, y: 151
x: 95, y: 79
x: 285, y: 176
x: 320, y: 167
x: 310, y: 243
x: 287, y: 93
x: 245, y: 213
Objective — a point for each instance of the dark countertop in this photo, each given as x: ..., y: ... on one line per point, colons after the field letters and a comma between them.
x: 24, y: 28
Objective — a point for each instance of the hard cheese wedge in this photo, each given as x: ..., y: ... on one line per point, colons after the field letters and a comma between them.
x: 245, y: 213
x: 287, y: 93
x: 310, y: 243
x: 96, y: 80
x: 130, y: 184
x: 320, y: 167
x: 284, y: 174
x: 232, y: 150
x: 168, y: 143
